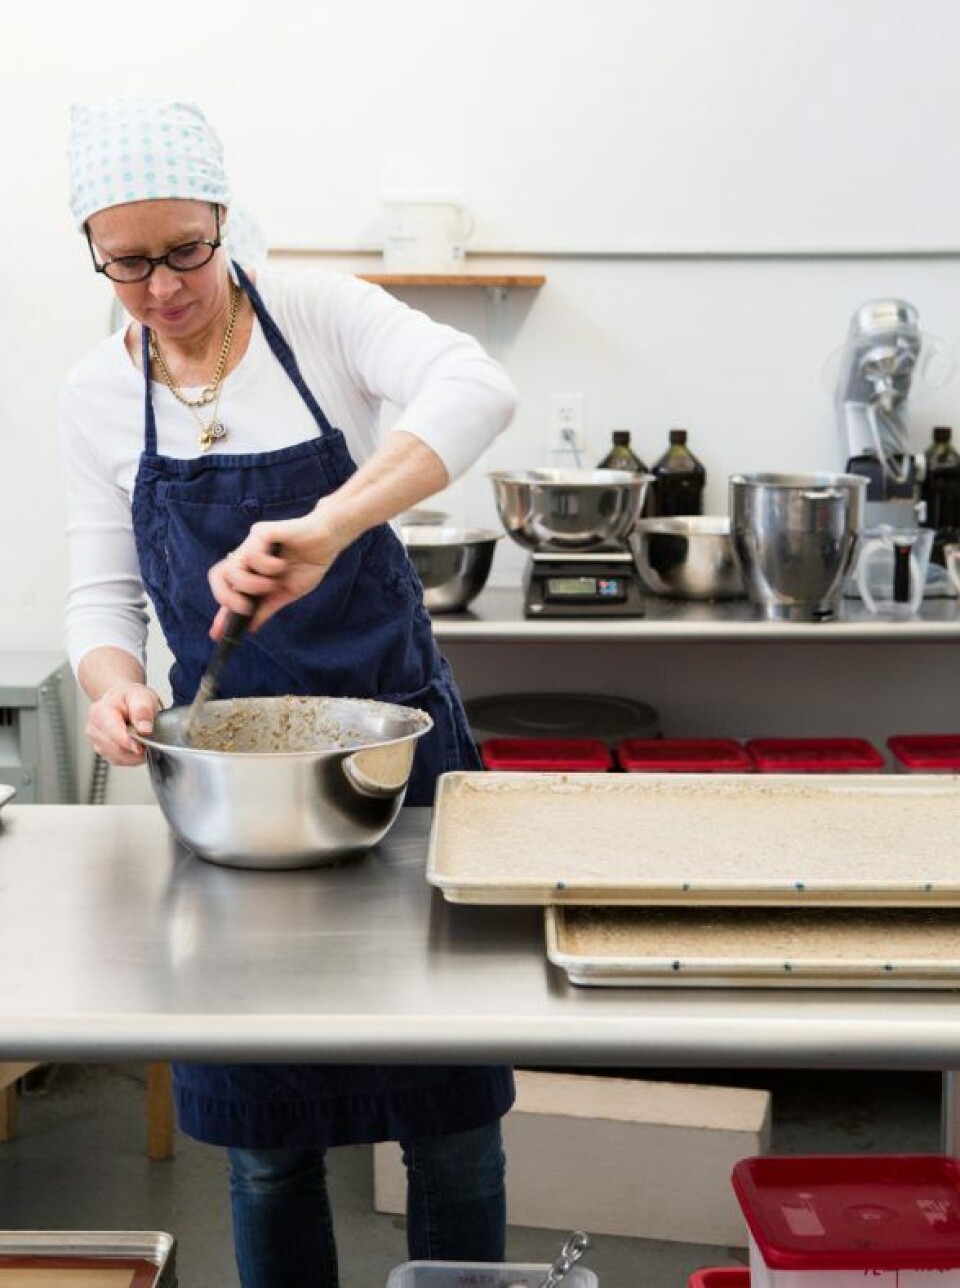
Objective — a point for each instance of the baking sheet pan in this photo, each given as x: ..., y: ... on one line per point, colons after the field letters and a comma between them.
x: 757, y: 947
x: 707, y: 839
x: 87, y: 1259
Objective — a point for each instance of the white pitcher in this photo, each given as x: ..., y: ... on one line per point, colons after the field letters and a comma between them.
x: 425, y: 234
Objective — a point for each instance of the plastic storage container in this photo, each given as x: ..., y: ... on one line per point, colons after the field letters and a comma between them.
x: 927, y: 753
x: 720, y: 1277
x: 837, y: 1221
x: 576, y: 755
x: 814, y: 755
x: 466, y: 1274
x: 683, y: 755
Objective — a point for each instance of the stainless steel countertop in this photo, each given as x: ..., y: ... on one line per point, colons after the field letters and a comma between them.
x: 115, y: 943
x: 497, y: 614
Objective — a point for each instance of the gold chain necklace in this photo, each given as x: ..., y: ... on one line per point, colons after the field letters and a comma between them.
x: 213, y: 430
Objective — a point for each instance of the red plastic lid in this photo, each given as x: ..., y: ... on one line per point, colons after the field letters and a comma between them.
x: 720, y: 1277
x: 927, y: 751
x: 814, y: 755
x: 569, y: 754
x: 853, y: 1211
x: 694, y: 755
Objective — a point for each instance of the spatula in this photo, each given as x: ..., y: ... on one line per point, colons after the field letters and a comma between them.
x: 234, y: 630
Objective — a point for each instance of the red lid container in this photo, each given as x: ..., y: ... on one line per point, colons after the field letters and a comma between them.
x: 931, y: 751
x: 684, y: 755
x: 853, y: 1211
x: 814, y: 755
x: 720, y: 1277
x: 546, y: 754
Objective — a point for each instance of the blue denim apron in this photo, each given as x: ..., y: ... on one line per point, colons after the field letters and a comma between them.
x: 363, y: 632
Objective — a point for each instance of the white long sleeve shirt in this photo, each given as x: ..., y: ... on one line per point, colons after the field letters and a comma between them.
x: 356, y: 346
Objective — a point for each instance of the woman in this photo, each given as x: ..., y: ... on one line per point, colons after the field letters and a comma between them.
x: 194, y: 439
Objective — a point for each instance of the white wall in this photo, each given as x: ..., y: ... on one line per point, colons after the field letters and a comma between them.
x: 639, y: 127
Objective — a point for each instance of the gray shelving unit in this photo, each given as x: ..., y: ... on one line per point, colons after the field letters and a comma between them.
x: 38, y: 727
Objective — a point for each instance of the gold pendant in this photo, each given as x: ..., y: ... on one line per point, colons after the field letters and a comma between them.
x: 215, y: 432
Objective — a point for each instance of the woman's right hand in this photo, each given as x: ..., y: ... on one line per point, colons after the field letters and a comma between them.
x: 123, y: 704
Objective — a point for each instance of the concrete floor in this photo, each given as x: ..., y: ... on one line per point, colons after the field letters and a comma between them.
x: 79, y: 1163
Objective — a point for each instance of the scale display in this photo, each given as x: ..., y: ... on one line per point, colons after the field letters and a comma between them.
x: 589, y: 586
x: 582, y: 588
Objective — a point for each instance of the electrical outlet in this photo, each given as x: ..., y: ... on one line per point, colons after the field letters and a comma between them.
x: 566, y: 424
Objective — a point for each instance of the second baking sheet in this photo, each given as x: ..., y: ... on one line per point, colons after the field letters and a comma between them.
x: 696, y: 839
x: 757, y: 947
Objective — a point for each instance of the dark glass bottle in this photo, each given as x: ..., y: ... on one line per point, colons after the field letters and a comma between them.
x: 941, y: 491
x: 679, y: 479
x: 621, y: 455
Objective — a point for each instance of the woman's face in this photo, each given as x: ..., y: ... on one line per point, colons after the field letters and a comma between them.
x: 175, y: 305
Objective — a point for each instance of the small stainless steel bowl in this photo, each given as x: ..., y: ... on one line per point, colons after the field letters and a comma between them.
x: 453, y: 563
x: 687, y: 557
x: 290, y: 782
x: 418, y: 517
x: 569, y: 509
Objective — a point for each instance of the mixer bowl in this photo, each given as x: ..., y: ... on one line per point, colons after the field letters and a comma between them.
x: 795, y: 537
x: 687, y: 557
x: 453, y: 563
x: 569, y: 509
x: 290, y: 782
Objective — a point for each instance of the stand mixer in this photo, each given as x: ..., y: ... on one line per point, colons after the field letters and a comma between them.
x: 883, y: 356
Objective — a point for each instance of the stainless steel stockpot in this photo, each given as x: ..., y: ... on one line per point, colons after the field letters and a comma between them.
x: 290, y: 782
x: 795, y: 537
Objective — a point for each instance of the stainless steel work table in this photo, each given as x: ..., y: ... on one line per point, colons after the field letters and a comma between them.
x: 115, y: 943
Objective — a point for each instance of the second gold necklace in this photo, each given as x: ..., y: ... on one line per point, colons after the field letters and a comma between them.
x: 213, y: 430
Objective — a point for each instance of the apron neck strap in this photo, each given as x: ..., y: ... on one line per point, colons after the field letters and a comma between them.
x: 281, y: 350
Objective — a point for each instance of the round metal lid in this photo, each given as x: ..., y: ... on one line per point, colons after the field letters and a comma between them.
x: 561, y: 715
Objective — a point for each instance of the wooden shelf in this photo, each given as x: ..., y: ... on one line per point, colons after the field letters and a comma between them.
x: 502, y: 280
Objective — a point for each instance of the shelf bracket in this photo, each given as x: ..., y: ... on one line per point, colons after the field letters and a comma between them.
x: 496, y: 319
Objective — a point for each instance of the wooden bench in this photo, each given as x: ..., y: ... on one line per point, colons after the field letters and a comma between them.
x: 159, y: 1106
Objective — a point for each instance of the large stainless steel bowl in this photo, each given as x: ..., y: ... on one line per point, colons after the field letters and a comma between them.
x: 795, y: 536
x: 569, y: 509
x: 452, y: 563
x: 289, y: 782
x: 687, y: 557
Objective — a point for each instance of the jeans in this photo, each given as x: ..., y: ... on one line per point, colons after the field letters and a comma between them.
x: 283, y: 1228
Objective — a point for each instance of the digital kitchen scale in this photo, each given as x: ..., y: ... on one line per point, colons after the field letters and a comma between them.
x: 600, y: 584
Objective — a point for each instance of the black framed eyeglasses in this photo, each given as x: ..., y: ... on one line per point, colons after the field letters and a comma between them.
x: 180, y: 259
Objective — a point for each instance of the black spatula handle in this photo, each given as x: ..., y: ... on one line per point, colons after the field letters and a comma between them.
x: 234, y: 629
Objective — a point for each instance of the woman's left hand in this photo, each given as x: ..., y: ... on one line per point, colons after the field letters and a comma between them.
x: 307, y: 547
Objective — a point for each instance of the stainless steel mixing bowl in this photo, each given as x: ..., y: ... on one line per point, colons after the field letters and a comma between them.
x: 569, y: 509
x: 453, y: 563
x: 687, y: 557
x: 433, y: 518
x: 289, y: 782
x: 795, y: 537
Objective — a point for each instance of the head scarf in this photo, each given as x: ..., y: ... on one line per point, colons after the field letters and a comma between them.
x: 142, y: 149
